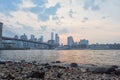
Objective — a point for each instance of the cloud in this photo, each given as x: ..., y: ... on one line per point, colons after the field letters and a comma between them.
x: 48, y: 12
x: 43, y: 28
x: 8, y: 33
x: 40, y: 3
x: 85, y: 19
x: 71, y: 13
x: 26, y: 4
x: 90, y: 4
x: 28, y: 18
x: 105, y: 17
x: 64, y: 31
x: 57, y: 19
x: 29, y: 28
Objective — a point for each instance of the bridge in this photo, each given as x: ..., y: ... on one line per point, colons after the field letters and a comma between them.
x: 8, y: 38
x: 21, y: 40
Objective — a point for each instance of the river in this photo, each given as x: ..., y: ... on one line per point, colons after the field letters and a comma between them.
x: 107, y: 57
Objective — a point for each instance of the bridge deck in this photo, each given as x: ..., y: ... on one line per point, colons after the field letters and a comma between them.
x: 8, y: 38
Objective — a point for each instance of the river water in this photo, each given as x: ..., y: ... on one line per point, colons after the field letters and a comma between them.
x: 107, y: 57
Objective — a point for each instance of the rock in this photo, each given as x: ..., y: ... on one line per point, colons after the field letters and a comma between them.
x: 9, y: 77
x: 112, y: 69
x: 59, y: 75
x: 57, y: 66
x: 2, y: 62
x: 107, y: 70
x: 115, y: 66
x: 22, y: 61
x: 117, y: 72
x: 74, y: 65
x: 53, y: 62
x: 37, y: 75
x: 34, y: 62
x: 48, y: 67
x: 58, y: 62
x: 99, y: 70
x: 45, y: 64
x: 83, y: 70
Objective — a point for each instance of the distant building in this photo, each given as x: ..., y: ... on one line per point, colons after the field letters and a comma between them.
x: 99, y: 46
x: 9, y: 45
x: 84, y: 43
x: 24, y: 44
x: 16, y: 36
x: 115, y: 46
x: 57, y: 39
x: 52, y: 43
x: 1, y: 25
x: 32, y: 37
x: 40, y: 39
x: 17, y: 43
x: 24, y: 37
x: 52, y: 36
x: 70, y: 41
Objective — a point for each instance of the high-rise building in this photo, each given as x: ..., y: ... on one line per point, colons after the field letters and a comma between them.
x: 24, y: 37
x: 16, y: 36
x: 24, y: 44
x: 84, y: 42
x: 17, y: 43
x: 32, y: 37
x: 1, y: 25
x: 57, y: 40
x: 40, y: 39
x: 70, y: 41
x: 52, y: 36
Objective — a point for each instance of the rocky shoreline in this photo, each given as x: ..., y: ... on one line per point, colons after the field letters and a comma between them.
x: 56, y: 71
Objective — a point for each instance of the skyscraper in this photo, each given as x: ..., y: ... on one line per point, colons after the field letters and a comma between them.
x: 52, y: 36
x: 57, y: 40
x: 17, y: 43
x: 40, y: 39
x: 1, y: 25
x: 70, y: 41
x: 84, y: 43
x: 32, y: 37
x: 24, y: 44
x: 24, y: 37
x: 16, y: 36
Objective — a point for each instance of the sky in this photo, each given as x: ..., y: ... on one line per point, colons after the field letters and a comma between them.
x: 95, y: 20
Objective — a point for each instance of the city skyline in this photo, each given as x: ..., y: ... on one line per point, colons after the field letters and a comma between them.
x: 97, y: 21
x: 23, y: 42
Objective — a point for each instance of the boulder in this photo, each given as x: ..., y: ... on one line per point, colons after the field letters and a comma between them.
x: 110, y: 70
x: 10, y: 77
x: 2, y: 62
x: 115, y: 66
x: 99, y: 70
x: 74, y: 65
x: 37, y: 75
x: 58, y: 62
x: 45, y: 64
x: 117, y: 72
x: 23, y: 61
x: 107, y: 70
x: 60, y: 67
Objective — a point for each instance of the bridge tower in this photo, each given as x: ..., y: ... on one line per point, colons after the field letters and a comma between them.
x: 1, y: 25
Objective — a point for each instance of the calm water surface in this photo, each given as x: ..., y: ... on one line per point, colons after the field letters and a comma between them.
x: 107, y: 57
